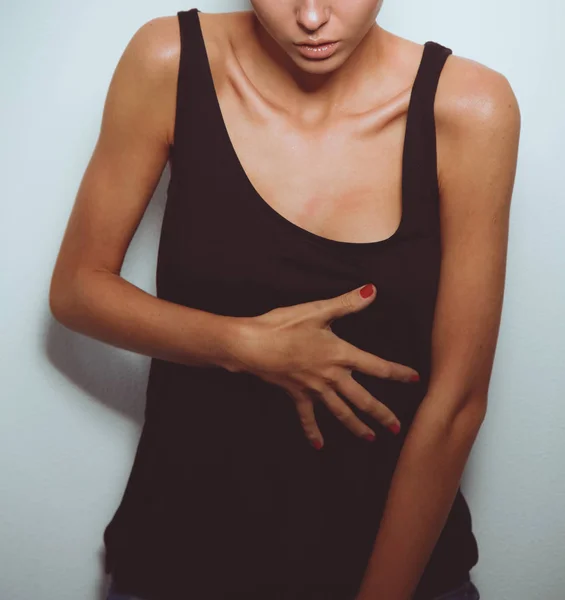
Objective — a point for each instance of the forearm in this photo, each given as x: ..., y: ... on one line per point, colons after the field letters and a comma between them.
x: 107, y: 307
x: 422, y: 491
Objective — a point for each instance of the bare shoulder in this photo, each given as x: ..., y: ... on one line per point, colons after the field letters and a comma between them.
x: 478, y: 125
x: 153, y: 54
x: 472, y: 97
x: 155, y: 51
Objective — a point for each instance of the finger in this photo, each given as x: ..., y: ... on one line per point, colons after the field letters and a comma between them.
x: 361, y: 398
x: 307, y: 416
x: 368, y: 363
x: 344, y: 304
x: 342, y: 412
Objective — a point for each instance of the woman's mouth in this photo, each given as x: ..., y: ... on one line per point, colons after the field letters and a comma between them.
x: 317, y: 51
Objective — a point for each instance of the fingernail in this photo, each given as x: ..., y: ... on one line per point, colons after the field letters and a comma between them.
x: 415, y: 377
x: 370, y: 437
x: 395, y: 428
x: 366, y: 291
x: 317, y: 444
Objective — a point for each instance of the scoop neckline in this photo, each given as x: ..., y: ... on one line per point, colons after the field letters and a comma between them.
x: 277, y: 217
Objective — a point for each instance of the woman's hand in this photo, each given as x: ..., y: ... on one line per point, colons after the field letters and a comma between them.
x: 295, y: 348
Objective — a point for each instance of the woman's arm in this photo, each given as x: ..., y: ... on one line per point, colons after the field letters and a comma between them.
x: 87, y: 293
x: 478, y: 125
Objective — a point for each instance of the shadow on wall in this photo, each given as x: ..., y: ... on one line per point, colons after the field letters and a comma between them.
x: 114, y: 377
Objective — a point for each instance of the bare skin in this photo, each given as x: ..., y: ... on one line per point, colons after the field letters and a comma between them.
x: 335, y: 167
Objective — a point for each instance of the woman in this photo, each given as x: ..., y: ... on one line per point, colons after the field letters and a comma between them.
x: 336, y: 225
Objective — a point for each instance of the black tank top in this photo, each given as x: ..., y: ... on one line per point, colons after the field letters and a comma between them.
x: 226, y: 497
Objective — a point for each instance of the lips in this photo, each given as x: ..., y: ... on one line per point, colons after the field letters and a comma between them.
x: 317, y: 51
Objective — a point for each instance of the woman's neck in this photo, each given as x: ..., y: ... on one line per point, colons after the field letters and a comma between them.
x: 272, y: 70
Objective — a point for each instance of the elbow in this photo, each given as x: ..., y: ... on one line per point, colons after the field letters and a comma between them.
x: 58, y: 300
x: 57, y: 291
x: 470, y: 414
x: 64, y: 297
x: 477, y: 406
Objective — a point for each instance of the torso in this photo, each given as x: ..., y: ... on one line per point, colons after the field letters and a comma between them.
x: 337, y: 176
x: 223, y: 471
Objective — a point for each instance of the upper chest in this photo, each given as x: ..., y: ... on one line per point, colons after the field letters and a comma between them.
x: 340, y: 179
x: 338, y: 175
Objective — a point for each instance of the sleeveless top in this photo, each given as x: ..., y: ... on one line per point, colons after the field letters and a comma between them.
x: 226, y: 497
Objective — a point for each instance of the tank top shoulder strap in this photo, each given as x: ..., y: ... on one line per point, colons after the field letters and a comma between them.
x: 419, y: 169
x: 195, y: 99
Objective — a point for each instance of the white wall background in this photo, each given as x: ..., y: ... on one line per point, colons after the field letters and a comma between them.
x: 72, y: 407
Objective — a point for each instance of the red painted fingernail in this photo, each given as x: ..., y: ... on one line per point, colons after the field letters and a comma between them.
x: 317, y: 444
x: 395, y: 428
x: 366, y: 291
x: 370, y: 437
x: 415, y: 377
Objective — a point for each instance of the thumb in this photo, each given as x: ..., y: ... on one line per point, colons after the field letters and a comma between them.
x: 350, y: 302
